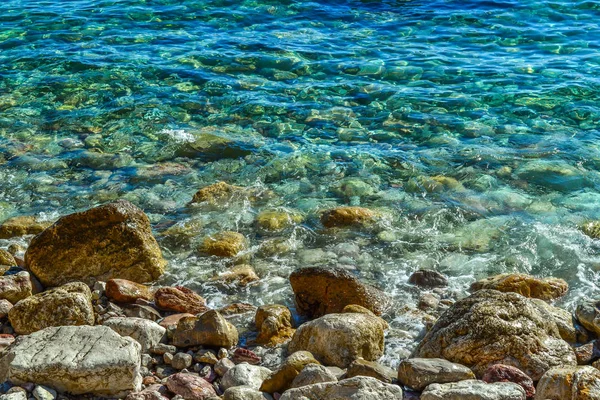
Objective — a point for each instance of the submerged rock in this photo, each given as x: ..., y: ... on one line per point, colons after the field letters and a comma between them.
x: 276, y: 220
x: 220, y: 192
x: 224, y: 244
x: 320, y: 291
x: 70, y: 304
x: 418, y: 373
x: 274, y: 325
x: 339, y: 339
x: 569, y: 383
x: 492, y: 327
x: 241, y: 275
x: 525, y: 285
x: 110, y: 241
x: 75, y: 359
x: 473, y: 390
x: 428, y: 278
x: 592, y: 229
x: 208, y: 329
x: 357, y: 388
x: 347, y: 216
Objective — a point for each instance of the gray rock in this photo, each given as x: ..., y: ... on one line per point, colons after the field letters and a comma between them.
x: 312, y: 374
x: 245, y: 393
x: 473, y: 390
x: 75, y: 359
x: 245, y: 375
x: 44, y: 393
x: 418, y: 373
x: 162, y: 348
x: 5, y: 307
x: 357, y: 388
x: 181, y: 361
x: 375, y: 370
x: 588, y: 314
x: 223, y: 365
x: 147, y: 333
x: 570, y: 383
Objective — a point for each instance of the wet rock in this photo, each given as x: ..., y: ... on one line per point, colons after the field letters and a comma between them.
x: 428, y: 302
x: 433, y: 184
x: 473, y: 390
x: 208, y: 329
x: 281, y: 379
x: 428, y: 278
x: 525, y: 285
x: 147, y: 333
x: 592, y: 229
x: 276, y: 220
x: 569, y: 383
x: 245, y: 375
x: 15, y: 287
x: 274, y: 325
x: 357, y: 388
x: 588, y: 314
x: 418, y: 373
x: 5, y: 307
x: 190, y: 387
x: 339, y: 339
x: 179, y: 299
x: 312, y: 374
x: 75, y: 359
x: 124, y: 291
x: 245, y: 393
x: 181, y: 361
x: 105, y: 242
x: 555, y: 175
x: 320, y: 291
x: 347, y: 216
x: 217, y: 193
x: 70, y: 304
x: 506, y: 373
x: 492, y: 327
x: 23, y: 225
x: 224, y: 244
x: 373, y: 369
x: 240, y: 275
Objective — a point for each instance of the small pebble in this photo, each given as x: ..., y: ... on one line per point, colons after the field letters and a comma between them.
x: 162, y: 348
x: 223, y: 365
x: 168, y: 358
x: 181, y: 361
x: 223, y: 353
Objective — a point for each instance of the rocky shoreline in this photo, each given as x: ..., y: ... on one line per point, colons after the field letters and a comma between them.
x: 82, y: 317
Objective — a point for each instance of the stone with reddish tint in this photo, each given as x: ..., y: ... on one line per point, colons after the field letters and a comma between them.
x: 15, y: 287
x: 587, y: 353
x: 241, y: 355
x: 154, y: 391
x: 190, y: 387
x: 208, y: 329
x: 124, y: 291
x: 507, y: 373
x: 5, y: 341
x: 180, y: 299
x: 171, y: 321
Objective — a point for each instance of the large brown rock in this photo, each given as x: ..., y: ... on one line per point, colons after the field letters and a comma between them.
x: 282, y: 378
x: 569, y: 383
x: 274, y: 325
x: 180, y: 299
x: 22, y: 225
x: 492, y: 327
x: 320, y: 291
x: 525, y: 285
x: 124, y: 291
x: 208, y: 329
x: 110, y: 241
x: 339, y: 339
x: 15, y: 287
x: 70, y: 304
x: 347, y: 216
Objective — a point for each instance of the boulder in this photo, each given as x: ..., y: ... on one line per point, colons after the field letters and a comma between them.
x: 357, y: 388
x: 473, y: 390
x: 22, y: 225
x: 341, y: 217
x: 124, y: 291
x: 492, y: 327
x: 245, y: 393
x: 569, y: 383
x: 245, y: 375
x: 525, y: 285
x: 224, y: 244
x: 274, y: 325
x: 208, y: 329
x: 428, y: 278
x: 179, y: 299
x: 373, y: 369
x: 75, y: 359
x: 190, y: 387
x: 339, y: 339
x: 110, y: 241
x: 282, y: 378
x: 568, y: 329
x: 311, y: 374
x: 588, y: 314
x: 418, y: 373
x: 147, y: 333
x: 15, y: 287
x: 320, y: 291
x: 506, y: 373
x: 70, y: 304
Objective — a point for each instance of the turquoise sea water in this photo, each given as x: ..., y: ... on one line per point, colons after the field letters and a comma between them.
x: 472, y: 126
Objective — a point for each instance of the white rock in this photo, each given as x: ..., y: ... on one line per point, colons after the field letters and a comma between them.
x: 75, y: 359
x: 44, y: 393
x: 14, y: 396
x: 245, y: 374
x: 145, y: 332
x: 312, y: 374
x: 472, y: 389
x: 357, y: 388
x: 245, y: 393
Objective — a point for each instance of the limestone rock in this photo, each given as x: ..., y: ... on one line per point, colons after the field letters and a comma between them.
x: 179, y: 299
x: 473, y: 390
x: 110, y: 241
x: 7, y: 260
x: 428, y: 278
x: 224, y: 244
x: 245, y: 393
x: 15, y: 287
x: 373, y: 369
x: 20, y: 395
x: 357, y: 388
x: 281, y: 379
x: 588, y: 314
x: 190, y: 387
x: 506, y: 373
x: 75, y: 359
x: 492, y: 327
x: 208, y: 329
x: 181, y: 361
x: 70, y: 304
x: 5, y: 341
x: 525, y: 285
x: 320, y: 291
x: 147, y: 333
x: 124, y: 291
x: 347, y: 216
x: 418, y: 373
x: 567, y: 328
x: 22, y: 225
x: 569, y: 383
x: 311, y: 374
x: 245, y: 375
x: 339, y: 339
x: 5, y: 307
x: 274, y: 325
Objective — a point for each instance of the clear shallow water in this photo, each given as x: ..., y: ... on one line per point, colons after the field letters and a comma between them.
x: 472, y: 126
